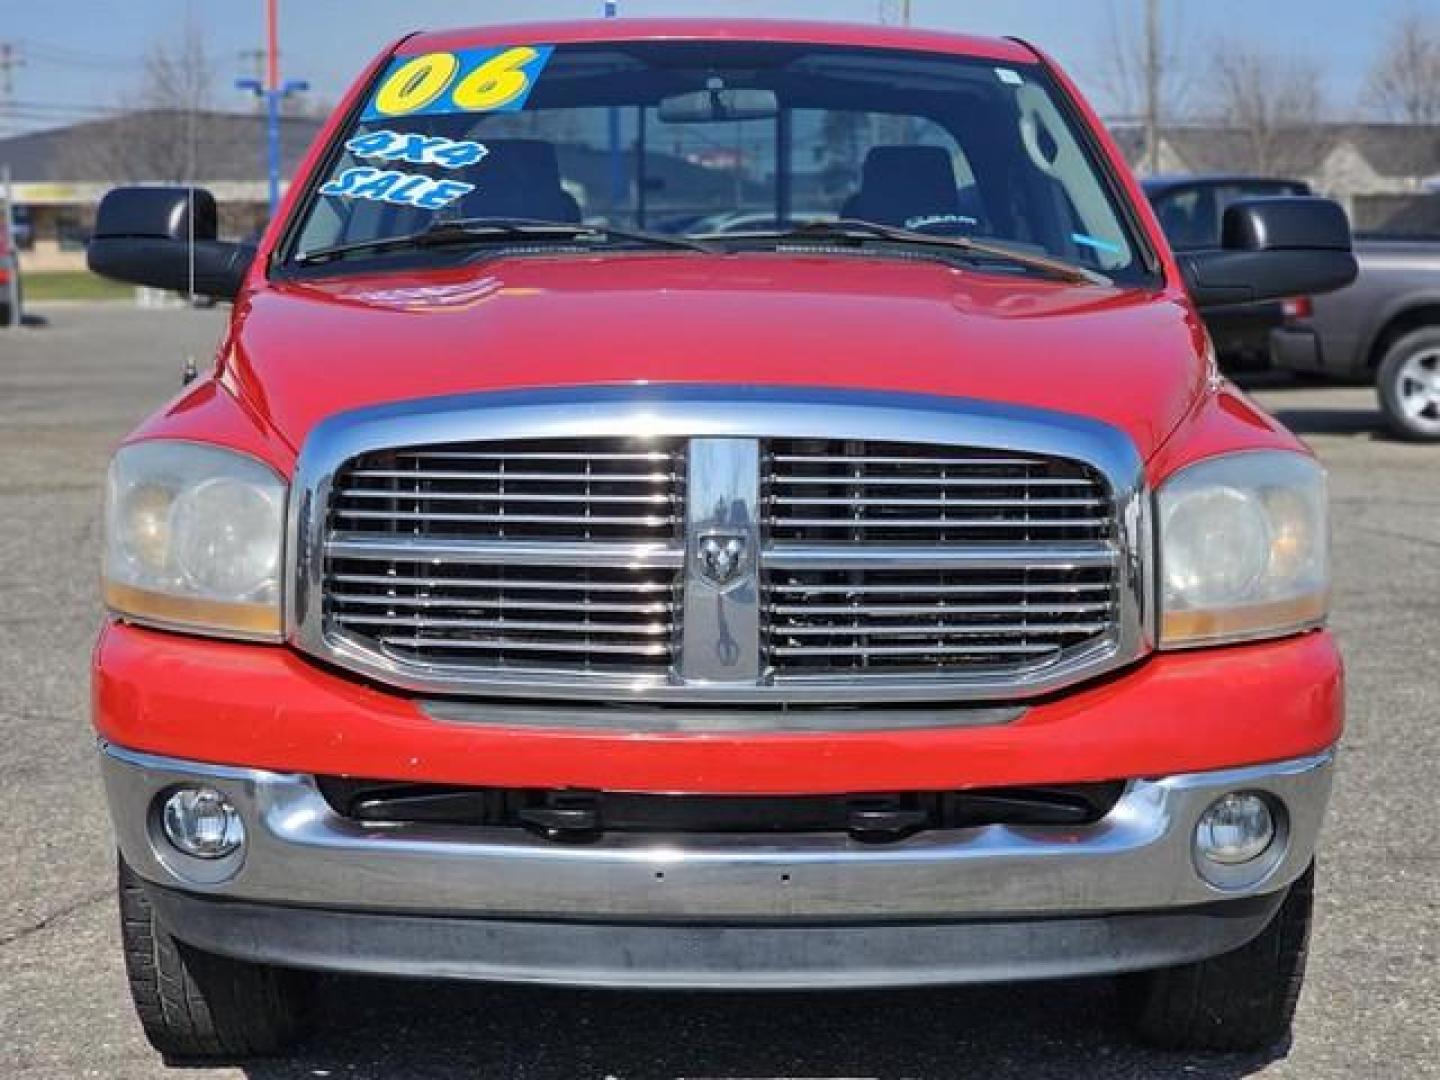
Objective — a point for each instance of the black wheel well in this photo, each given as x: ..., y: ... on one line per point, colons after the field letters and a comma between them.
x: 1400, y: 324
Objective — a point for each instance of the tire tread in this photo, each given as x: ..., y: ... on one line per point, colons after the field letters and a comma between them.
x: 196, y: 1005
x: 1241, y: 1000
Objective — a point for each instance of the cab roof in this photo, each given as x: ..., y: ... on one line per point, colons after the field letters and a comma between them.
x: 777, y: 30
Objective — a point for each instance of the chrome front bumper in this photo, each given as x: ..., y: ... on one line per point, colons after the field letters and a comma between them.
x: 1036, y: 901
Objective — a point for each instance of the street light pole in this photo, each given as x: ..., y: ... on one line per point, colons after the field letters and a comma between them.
x: 272, y: 92
x: 618, y: 186
x: 272, y: 100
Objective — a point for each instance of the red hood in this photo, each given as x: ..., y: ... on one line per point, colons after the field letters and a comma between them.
x: 302, y: 352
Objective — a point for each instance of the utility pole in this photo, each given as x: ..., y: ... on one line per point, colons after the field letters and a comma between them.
x: 272, y: 92
x: 253, y: 61
x: 894, y: 11
x: 9, y: 60
x: 1152, y: 86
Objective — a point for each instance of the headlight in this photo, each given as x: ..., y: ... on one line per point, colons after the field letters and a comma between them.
x: 1244, y: 549
x: 193, y: 539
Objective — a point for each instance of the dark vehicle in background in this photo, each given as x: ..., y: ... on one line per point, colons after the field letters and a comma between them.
x: 1384, y: 328
x: 1190, y: 209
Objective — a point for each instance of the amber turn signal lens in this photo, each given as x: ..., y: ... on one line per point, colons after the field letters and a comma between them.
x: 194, y: 615
x: 1255, y: 620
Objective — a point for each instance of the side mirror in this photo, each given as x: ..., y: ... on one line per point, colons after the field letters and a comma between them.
x: 143, y: 236
x: 1271, y: 249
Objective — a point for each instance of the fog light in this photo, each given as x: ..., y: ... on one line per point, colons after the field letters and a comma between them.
x: 1235, y: 829
x: 201, y: 822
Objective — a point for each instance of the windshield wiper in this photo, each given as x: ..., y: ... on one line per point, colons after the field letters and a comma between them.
x: 858, y: 232
x: 499, y: 230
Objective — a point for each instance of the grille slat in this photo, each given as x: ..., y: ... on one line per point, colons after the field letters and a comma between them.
x: 908, y: 460
x: 583, y: 628
x: 938, y: 523
x: 539, y: 556
x: 432, y: 516
x: 507, y: 645
x: 531, y: 584
x: 882, y: 481
x: 933, y: 611
x: 508, y: 497
x: 958, y: 504
x: 512, y: 604
x: 389, y: 547
x: 434, y: 475
x: 907, y: 650
x: 947, y: 630
x: 995, y: 556
x: 520, y: 455
x: 935, y: 590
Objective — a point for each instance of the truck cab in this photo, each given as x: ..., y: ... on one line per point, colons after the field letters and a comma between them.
x: 549, y: 586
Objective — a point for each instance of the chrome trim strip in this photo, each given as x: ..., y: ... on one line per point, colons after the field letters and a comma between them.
x: 1139, y: 857
x: 720, y: 630
x: 718, y: 721
x: 726, y: 412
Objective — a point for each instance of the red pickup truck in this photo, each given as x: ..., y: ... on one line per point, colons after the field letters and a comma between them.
x: 895, y: 596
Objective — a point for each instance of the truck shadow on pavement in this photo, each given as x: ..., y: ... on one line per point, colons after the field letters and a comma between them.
x: 1304, y: 421
x: 384, y: 1028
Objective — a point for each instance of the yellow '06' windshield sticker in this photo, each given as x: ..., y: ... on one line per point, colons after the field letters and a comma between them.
x: 467, y: 80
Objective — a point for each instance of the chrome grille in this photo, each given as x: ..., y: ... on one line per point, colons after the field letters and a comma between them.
x: 720, y: 545
x: 516, y: 554
x: 1037, y: 587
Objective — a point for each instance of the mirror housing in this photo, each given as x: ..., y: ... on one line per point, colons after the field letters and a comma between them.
x: 715, y: 105
x: 1272, y: 249
x: 142, y: 236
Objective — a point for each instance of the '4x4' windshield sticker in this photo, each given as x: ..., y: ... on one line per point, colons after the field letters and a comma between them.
x: 415, y: 148
x: 401, y: 188
x: 467, y: 80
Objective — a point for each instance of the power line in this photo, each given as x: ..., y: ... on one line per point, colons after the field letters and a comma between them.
x: 65, y: 54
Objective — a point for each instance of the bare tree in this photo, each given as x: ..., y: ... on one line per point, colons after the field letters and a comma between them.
x: 1404, y: 84
x: 1273, y: 105
x: 160, y: 136
x: 1144, y: 69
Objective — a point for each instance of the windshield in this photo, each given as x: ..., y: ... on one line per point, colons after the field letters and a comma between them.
x: 719, y: 139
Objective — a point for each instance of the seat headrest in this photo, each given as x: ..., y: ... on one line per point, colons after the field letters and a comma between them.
x: 520, y: 178
x: 530, y: 161
x: 904, y: 183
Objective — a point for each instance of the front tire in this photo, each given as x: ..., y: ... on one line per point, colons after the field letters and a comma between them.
x: 1239, y: 1001
x: 1408, y: 383
x: 196, y: 1005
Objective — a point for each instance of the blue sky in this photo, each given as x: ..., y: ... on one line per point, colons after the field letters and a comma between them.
x: 83, y: 54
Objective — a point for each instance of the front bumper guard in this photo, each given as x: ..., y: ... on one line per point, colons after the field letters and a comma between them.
x: 301, y: 853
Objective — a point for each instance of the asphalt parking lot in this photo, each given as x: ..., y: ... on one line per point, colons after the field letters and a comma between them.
x: 1371, y: 1008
